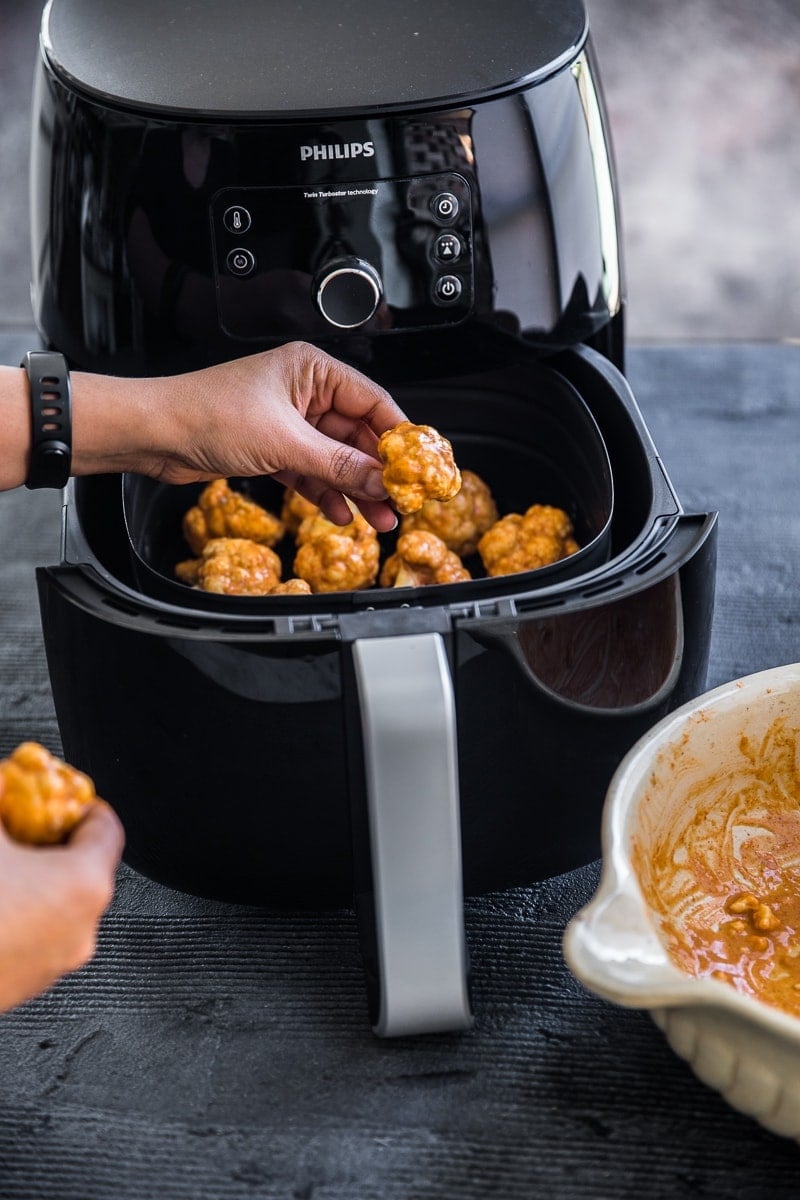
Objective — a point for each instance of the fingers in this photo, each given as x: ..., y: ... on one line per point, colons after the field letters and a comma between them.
x: 332, y: 385
x: 334, y: 505
x: 381, y: 516
x: 98, y: 836
x: 338, y: 465
x: 345, y: 414
x: 340, y: 428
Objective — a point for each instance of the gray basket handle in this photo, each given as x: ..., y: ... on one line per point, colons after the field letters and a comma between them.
x: 409, y: 737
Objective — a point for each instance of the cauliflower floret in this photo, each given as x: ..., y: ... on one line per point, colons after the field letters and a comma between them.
x: 42, y: 799
x: 418, y: 466
x: 223, y: 513
x: 233, y: 567
x: 188, y: 571
x: 459, y: 522
x: 338, y: 563
x: 318, y: 525
x: 292, y: 587
x: 295, y: 509
x: 421, y: 559
x: 523, y: 543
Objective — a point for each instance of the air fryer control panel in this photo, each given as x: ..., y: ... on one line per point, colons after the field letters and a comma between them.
x: 381, y: 255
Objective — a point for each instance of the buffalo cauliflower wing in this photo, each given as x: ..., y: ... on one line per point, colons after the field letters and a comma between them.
x: 295, y: 509
x: 541, y: 536
x: 232, y: 567
x: 422, y: 558
x: 222, y: 513
x: 338, y: 563
x: 318, y: 525
x: 459, y: 522
x: 292, y: 587
x: 418, y: 466
x: 42, y: 799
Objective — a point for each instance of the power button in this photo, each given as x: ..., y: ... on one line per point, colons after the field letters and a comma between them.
x: 447, y: 289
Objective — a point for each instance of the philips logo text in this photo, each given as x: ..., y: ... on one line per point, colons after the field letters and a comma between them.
x: 341, y: 150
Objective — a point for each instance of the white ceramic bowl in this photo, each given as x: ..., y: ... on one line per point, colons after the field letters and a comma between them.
x: 739, y: 1045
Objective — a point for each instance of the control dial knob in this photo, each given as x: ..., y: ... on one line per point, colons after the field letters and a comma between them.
x: 347, y: 292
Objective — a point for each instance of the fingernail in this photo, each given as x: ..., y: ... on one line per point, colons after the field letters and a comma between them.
x: 374, y: 486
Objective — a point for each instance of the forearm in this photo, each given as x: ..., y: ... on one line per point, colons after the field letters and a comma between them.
x: 116, y: 424
x: 15, y: 422
x: 293, y: 412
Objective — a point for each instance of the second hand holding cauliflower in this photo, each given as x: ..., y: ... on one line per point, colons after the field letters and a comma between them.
x: 42, y: 799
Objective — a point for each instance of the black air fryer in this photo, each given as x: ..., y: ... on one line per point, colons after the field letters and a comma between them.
x: 425, y: 191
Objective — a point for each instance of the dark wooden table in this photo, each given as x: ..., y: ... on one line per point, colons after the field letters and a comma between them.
x: 218, y: 1053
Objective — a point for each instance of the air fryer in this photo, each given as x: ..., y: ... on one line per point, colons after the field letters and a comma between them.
x: 446, y: 222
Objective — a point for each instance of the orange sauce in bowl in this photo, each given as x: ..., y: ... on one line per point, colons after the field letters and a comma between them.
x: 724, y: 878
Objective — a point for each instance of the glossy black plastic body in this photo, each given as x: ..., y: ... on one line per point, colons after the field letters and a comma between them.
x: 132, y: 249
x: 227, y: 739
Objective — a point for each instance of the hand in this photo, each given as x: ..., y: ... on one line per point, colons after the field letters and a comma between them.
x: 294, y: 413
x: 51, y: 902
x: 297, y: 414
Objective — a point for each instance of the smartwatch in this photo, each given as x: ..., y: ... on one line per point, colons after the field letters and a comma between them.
x: 51, y: 419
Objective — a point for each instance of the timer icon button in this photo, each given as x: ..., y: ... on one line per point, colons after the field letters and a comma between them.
x: 445, y: 207
x: 447, y: 289
x: 240, y: 262
x: 236, y: 219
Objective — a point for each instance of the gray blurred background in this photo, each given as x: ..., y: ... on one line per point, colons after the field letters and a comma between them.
x: 704, y: 104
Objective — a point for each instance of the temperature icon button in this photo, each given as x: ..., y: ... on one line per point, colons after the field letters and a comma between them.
x: 236, y: 219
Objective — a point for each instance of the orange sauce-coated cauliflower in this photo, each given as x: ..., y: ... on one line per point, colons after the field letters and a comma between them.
x: 222, y: 513
x: 541, y: 536
x: 232, y: 567
x: 418, y: 466
x: 292, y: 587
x: 296, y: 508
x: 338, y: 563
x: 42, y: 799
x: 459, y: 522
x: 422, y: 559
x: 318, y: 525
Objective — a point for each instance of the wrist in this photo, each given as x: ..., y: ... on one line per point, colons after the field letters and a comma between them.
x: 118, y: 424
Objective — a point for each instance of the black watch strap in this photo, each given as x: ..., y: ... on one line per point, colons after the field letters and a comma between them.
x: 51, y: 419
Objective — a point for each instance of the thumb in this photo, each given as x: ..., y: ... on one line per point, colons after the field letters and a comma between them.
x: 99, y: 835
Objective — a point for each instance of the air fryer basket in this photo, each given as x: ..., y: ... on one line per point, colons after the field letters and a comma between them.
x: 544, y: 447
